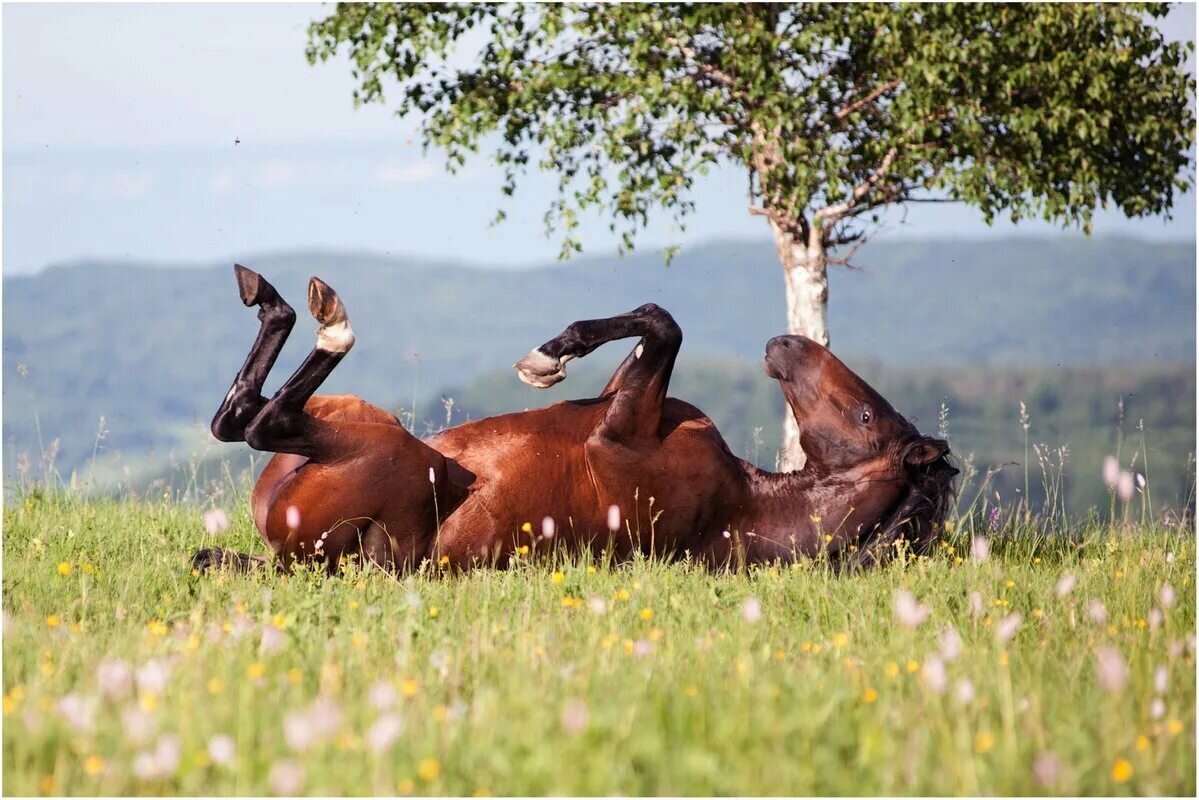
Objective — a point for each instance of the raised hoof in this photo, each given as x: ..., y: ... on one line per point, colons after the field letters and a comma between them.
x: 250, y: 285
x: 539, y: 370
x: 324, y: 303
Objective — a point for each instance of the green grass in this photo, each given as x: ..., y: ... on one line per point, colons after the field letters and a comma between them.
x: 825, y: 694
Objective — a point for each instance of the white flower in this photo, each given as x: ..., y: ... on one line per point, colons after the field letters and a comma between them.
x: 305, y: 728
x: 751, y: 609
x: 908, y: 612
x: 575, y: 716
x: 1170, y: 557
x: 1155, y: 618
x: 292, y: 517
x: 597, y: 605
x: 286, y: 778
x: 152, y: 677
x: 1111, y: 472
x: 1140, y: 481
x: 161, y: 762
x: 115, y: 678
x: 965, y: 691
x: 933, y: 673
x: 383, y: 695
x: 1113, y: 673
x: 1124, y: 486
x: 221, y: 749
x: 216, y: 521
x: 432, y: 476
x: 641, y: 648
x: 1065, y: 585
x: 976, y: 604
x: 138, y: 725
x: 1097, y: 612
x: 1166, y: 596
x: 1157, y: 709
x: 614, y: 518
x: 382, y: 734
x: 980, y: 549
x: 951, y: 643
x: 273, y: 639
x: 1006, y: 627
x: 1161, y: 679
x: 548, y: 528
x: 78, y: 711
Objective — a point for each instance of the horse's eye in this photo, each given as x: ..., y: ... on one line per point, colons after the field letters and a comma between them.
x: 866, y: 416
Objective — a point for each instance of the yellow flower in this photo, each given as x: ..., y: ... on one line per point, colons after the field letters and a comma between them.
x: 409, y: 687
x: 1038, y: 613
x: 358, y: 640
x: 557, y: 578
x: 647, y: 614
x: 428, y: 769
x: 294, y: 676
x: 433, y: 612
x: 148, y: 702
x: 869, y: 696
x: 840, y: 640
x: 690, y: 690
x: 806, y: 647
x: 1142, y: 743
x: 1121, y: 770
x: 983, y: 742
x: 157, y: 628
x: 64, y: 568
x: 10, y: 705
x: 256, y: 670
x: 440, y: 712
x: 406, y: 786
x: 444, y: 561
x: 527, y: 527
x: 891, y: 670
x: 93, y: 766
x: 590, y: 570
x: 215, y: 686
x: 279, y: 621
x: 353, y: 605
x: 523, y: 550
x: 623, y: 594
x: 912, y: 666
x: 46, y: 784
x: 1009, y: 583
x: 1174, y: 726
x: 52, y: 621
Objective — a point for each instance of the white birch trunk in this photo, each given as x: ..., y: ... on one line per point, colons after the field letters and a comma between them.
x: 805, y: 275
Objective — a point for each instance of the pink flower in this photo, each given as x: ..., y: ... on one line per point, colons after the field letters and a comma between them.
x: 641, y: 648
x: 318, y: 722
x: 1113, y: 673
x: 575, y: 717
x: 137, y: 724
x: 383, y: 695
x: 1006, y: 628
x: 216, y: 521
x: 115, y: 678
x: 221, y: 750
x: 1157, y: 709
x: 293, y: 518
x: 980, y: 549
x: 1045, y: 769
x: 976, y: 604
x: 1124, y: 486
x: 152, y: 677
x: 751, y: 609
x: 161, y: 762
x: 1161, y: 679
x: 273, y: 639
x: 1155, y: 618
x: 78, y: 711
x: 286, y: 778
x: 951, y: 643
x: 965, y: 691
x: 934, y: 675
x: 1166, y: 596
x: 1111, y: 472
x: 1065, y: 585
x: 614, y: 518
x: 908, y: 612
x: 382, y: 734
x: 548, y: 528
x: 1097, y: 612
x: 597, y: 605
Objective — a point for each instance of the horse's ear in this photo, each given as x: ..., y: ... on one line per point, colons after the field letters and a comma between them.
x: 926, y: 451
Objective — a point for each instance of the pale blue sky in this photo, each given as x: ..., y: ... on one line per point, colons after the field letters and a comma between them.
x: 119, y: 128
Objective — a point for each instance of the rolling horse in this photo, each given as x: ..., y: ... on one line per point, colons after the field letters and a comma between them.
x: 630, y: 470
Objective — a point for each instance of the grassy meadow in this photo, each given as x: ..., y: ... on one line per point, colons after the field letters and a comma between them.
x: 1072, y: 670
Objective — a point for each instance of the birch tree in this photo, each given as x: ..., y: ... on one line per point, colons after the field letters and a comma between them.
x: 833, y: 111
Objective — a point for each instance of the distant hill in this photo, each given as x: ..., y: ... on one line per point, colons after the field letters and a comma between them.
x: 152, y: 348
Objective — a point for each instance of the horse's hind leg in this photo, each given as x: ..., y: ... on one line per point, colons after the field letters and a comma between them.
x: 639, y: 384
x: 245, y: 400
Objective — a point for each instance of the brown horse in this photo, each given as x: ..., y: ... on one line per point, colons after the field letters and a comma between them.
x: 631, y: 470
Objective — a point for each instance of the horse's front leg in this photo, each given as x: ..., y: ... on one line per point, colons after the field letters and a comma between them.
x: 639, y: 385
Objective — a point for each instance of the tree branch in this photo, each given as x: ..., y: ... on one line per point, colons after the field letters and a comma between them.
x: 868, y: 99
x: 833, y: 213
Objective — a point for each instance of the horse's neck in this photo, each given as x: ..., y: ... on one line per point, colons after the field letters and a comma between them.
x: 803, y: 512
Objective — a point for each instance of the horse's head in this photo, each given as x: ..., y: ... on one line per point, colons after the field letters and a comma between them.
x: 848, y: 429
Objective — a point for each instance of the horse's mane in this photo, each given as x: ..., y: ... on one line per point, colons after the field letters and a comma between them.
x: 919, y: 517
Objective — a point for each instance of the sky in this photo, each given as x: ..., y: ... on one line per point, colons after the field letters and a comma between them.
x: 199, y: 133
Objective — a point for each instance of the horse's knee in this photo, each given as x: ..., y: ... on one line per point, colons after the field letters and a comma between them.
x: 661, y: 322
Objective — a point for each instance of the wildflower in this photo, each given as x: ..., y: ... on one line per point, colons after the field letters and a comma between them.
x: 597, y: 605
x: 983, y: 741
x: 869, y: 696
x: 279, y: 621
x: 1006, y: 628
x: 286, y: 778
x: 751, y: 610
x: 1174, y: 726
x: 976, y: 604
x: 77, y: 711
x: 1166, y: 596
x: 293, y: 518
x: 115, y: 678
x: 428, y: 769
x: 358, y: 639
x: 1065, y: 585
x: 307, y: 727
x: 409, y: 687
x: 980, y: 548
x: 575, y: 716
x: 382, y: 734
x: 891, y: 670
x: 221, y: 750
x: 647, y: 614
x: 432, y: 476
x: 433, y: 612
x: 557, y: 578
x: 965, y: 691
x: 526, y: 527
x: 1097, y: 612
x: 614, y: 518
x: 641, y: 648
x: 1124, y: 486
x: 1142, y: 743
x: 137, y: 724
x: 841, y: 640
x: 1113, y: 673
x: 1161, y: 679
x: 908, y: 612
x: 934, y: 674
x: 951, y: 643
x: 382, y: 695
x: 1111, y: 472
x: 1121, y: 769
x: 1155, y: 618
x: 272, y: 639
x: 1170, y: 558
x: 912, y: 666
x: 52, y: 621
x: 548, y: 528
x: 1157, y: 709
x: 161, y: 762
x: 93, y: 765
x: 1045, y: 769
x: 216, y: 521
x: 64, y: 568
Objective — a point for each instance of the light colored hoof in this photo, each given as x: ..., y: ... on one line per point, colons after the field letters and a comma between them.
x: 539, y: 370
x: 335, y: 334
